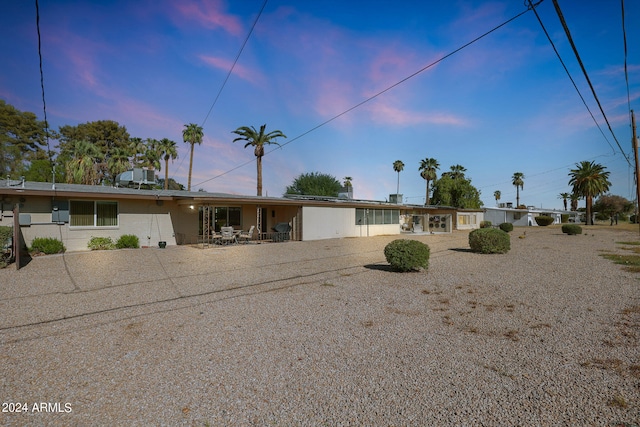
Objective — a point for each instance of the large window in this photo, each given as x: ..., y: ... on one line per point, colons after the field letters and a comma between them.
x: 377, y: 216
x: 466, y: 219
x: 88, y: 213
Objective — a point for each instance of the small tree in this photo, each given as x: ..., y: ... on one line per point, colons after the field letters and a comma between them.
x: 315, y: 184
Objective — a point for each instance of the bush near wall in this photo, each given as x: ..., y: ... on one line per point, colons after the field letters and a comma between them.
x: 407, y: 255
x: 489, y: 241
x: 46, y: 245
x: 100, y: 244
x: 571, y: 229
x: 506, y: 226
x: 128, y: 241
x: 6, y: 233
x: 485, y: 224
x: 544, y: 220
x: 564, y: 218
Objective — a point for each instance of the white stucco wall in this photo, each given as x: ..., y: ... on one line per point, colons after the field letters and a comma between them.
x: 327, y: 223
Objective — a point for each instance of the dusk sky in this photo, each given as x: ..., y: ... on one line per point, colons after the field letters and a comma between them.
x: 503, y: 104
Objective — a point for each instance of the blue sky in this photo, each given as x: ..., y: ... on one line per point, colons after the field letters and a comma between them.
x: 502, y: 105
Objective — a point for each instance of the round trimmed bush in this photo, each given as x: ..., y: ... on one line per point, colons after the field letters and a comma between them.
x: 489, y: 241
x: 506, y: 226
x: 407, y: 255
x: 47, y: 245
x: 544, y: 220
x: 485, y: 224
x: 571, y: 229
x: 128, y: 241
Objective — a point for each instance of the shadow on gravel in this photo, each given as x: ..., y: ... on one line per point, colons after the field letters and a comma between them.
x: 461, y: 250
x: 379, y: 267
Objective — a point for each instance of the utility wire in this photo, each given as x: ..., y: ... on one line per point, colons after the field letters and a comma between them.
x: 224, y: 83
x: 626, y: 74
x: 584, y: 71
x: 44, y: 103
x: 532, y: 6
x: 575, y: 86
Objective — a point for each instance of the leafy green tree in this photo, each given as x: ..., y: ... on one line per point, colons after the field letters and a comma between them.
x: 428, y: 171
x: 611, y: 204
x: 192, y: 134
x: 315, y: 184
x: 118, y: 162
x: 136, y: 148
x: 22, y: 140
x: 168, y: 150
x: 589, y: 180
x: 151, y: 157
x: 171, y: 185
x: 398, y: 166
x: 457, y: 191
x: 518, y: 181
x: 104, y: 135
x: 258, y: 139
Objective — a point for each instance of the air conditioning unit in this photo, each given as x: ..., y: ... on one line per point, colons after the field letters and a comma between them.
x: 136, y: 177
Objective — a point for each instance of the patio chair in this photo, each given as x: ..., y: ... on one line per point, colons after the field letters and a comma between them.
x: 227, y: 236
x: 247, y: 235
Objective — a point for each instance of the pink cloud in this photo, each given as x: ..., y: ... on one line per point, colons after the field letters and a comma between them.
x: 388, y: 114
x: 225, y: 65
x: 209, y: 14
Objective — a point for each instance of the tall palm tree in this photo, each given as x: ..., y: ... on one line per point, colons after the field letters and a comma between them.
x: 192, y: 134
x: 428, y: 171
x: 564, y: 197
x: 81, y: 168
x: 257, y: 139
x: 575, y: 197
x: 398, y: 166
x: 168, y: 150
x: 151, y: 156
x: 497, y: 195
x: 518, y: 181
x: 589, y: 180
x: 347, y: 182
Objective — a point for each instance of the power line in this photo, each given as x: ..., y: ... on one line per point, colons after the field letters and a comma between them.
x: 575, y: 86
x: 44, y: 103
x: 532, y: 6
x: 626, y: 74
x: 586, y: 75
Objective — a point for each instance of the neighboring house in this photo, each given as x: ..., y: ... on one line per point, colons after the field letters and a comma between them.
x: 75, y: 213
x: 525, y: 217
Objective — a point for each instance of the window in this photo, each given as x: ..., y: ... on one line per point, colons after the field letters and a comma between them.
x: 467, y: 219
x: 377, y: 216
x: 87, y: 213
x: 228, y: 217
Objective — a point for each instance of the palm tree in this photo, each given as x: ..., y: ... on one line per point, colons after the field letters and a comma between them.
x: 398, y: 166
x: 347, y: 182
x: 589, y: 180
x: 81, y: 168
x: 192, y: 134
x: 574, y: 201
x: 151, y: 156
x: 118, y: 162
x: 518, y: 181
x: 168, y: 150
x: 136, y: 149
x: 428, y: 168
x: 564, y: 197
x: 457, y: 171
x: 257, y: 139
x: 497, y: 195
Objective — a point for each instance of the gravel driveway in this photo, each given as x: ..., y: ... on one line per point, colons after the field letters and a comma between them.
x: 322, y: 333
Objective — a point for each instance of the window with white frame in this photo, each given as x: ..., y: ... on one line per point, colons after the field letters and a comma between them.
x: 466, y: 219
x: 377, y: 216
x: 90, y: 213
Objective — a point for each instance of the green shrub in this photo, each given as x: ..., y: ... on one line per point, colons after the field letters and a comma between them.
x: 407, y: 255
x: 6, y: 233
x: 544, y: 220
x: 47, y: 245
x: 571, y: 229
x: 485, y: 224
x: 128, y: 241
x: 506, y: 226
x: 564, y: 218
x: 489, y: 241
x: 100, y: 243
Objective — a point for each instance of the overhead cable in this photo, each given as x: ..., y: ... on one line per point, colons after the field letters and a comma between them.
x: 44, y: 103
x: 361, y: 103
x: 586, y: 75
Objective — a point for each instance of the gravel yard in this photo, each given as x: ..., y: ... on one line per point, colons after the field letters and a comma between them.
x: 322, y: 333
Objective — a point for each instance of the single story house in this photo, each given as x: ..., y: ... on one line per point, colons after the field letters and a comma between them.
x: 74, y: 213
x: 526, y: 217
